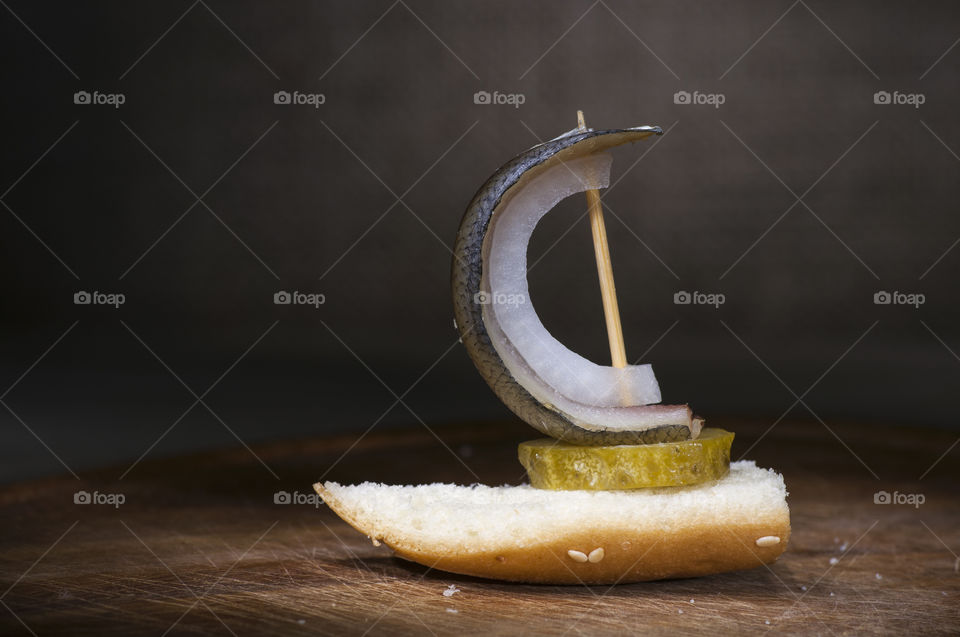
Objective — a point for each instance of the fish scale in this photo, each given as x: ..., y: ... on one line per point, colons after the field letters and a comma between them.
x: 467, y: 273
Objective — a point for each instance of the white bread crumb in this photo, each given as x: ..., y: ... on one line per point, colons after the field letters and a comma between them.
x: 446, y: 517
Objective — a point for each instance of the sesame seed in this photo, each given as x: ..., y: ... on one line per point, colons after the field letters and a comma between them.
x: 596, y: 555
x: 577, y: 556
x: 768, y: 540
x: 833, y: 561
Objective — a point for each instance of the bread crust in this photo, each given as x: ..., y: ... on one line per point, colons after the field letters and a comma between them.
x: 628, y: 555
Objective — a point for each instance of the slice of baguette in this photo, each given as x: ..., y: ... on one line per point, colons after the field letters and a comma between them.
x: 523, y: 534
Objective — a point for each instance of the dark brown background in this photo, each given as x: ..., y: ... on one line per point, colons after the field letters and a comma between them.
x: 398, y: 100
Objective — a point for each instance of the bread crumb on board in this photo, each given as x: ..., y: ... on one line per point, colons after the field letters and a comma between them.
x: 451, y: 590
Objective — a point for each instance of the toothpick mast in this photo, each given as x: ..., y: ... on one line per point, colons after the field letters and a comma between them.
x: 608, y: 291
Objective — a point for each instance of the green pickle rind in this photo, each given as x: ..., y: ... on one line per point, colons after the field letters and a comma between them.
x: 559, y: 466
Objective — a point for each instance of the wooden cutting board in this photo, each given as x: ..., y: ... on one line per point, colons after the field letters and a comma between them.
x: 199, y: 546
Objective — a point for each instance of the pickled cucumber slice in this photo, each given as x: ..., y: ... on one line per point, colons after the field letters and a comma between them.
x: 556, y: 465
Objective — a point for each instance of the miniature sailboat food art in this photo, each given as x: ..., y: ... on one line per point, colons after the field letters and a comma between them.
x: 640, y: 490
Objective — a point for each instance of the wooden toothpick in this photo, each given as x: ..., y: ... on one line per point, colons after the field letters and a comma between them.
x: 608, y: 290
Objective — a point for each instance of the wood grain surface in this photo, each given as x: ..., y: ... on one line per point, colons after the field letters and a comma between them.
x: 199, y: 546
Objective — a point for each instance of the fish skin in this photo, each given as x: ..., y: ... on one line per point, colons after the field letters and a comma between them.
x: 466, y: 276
